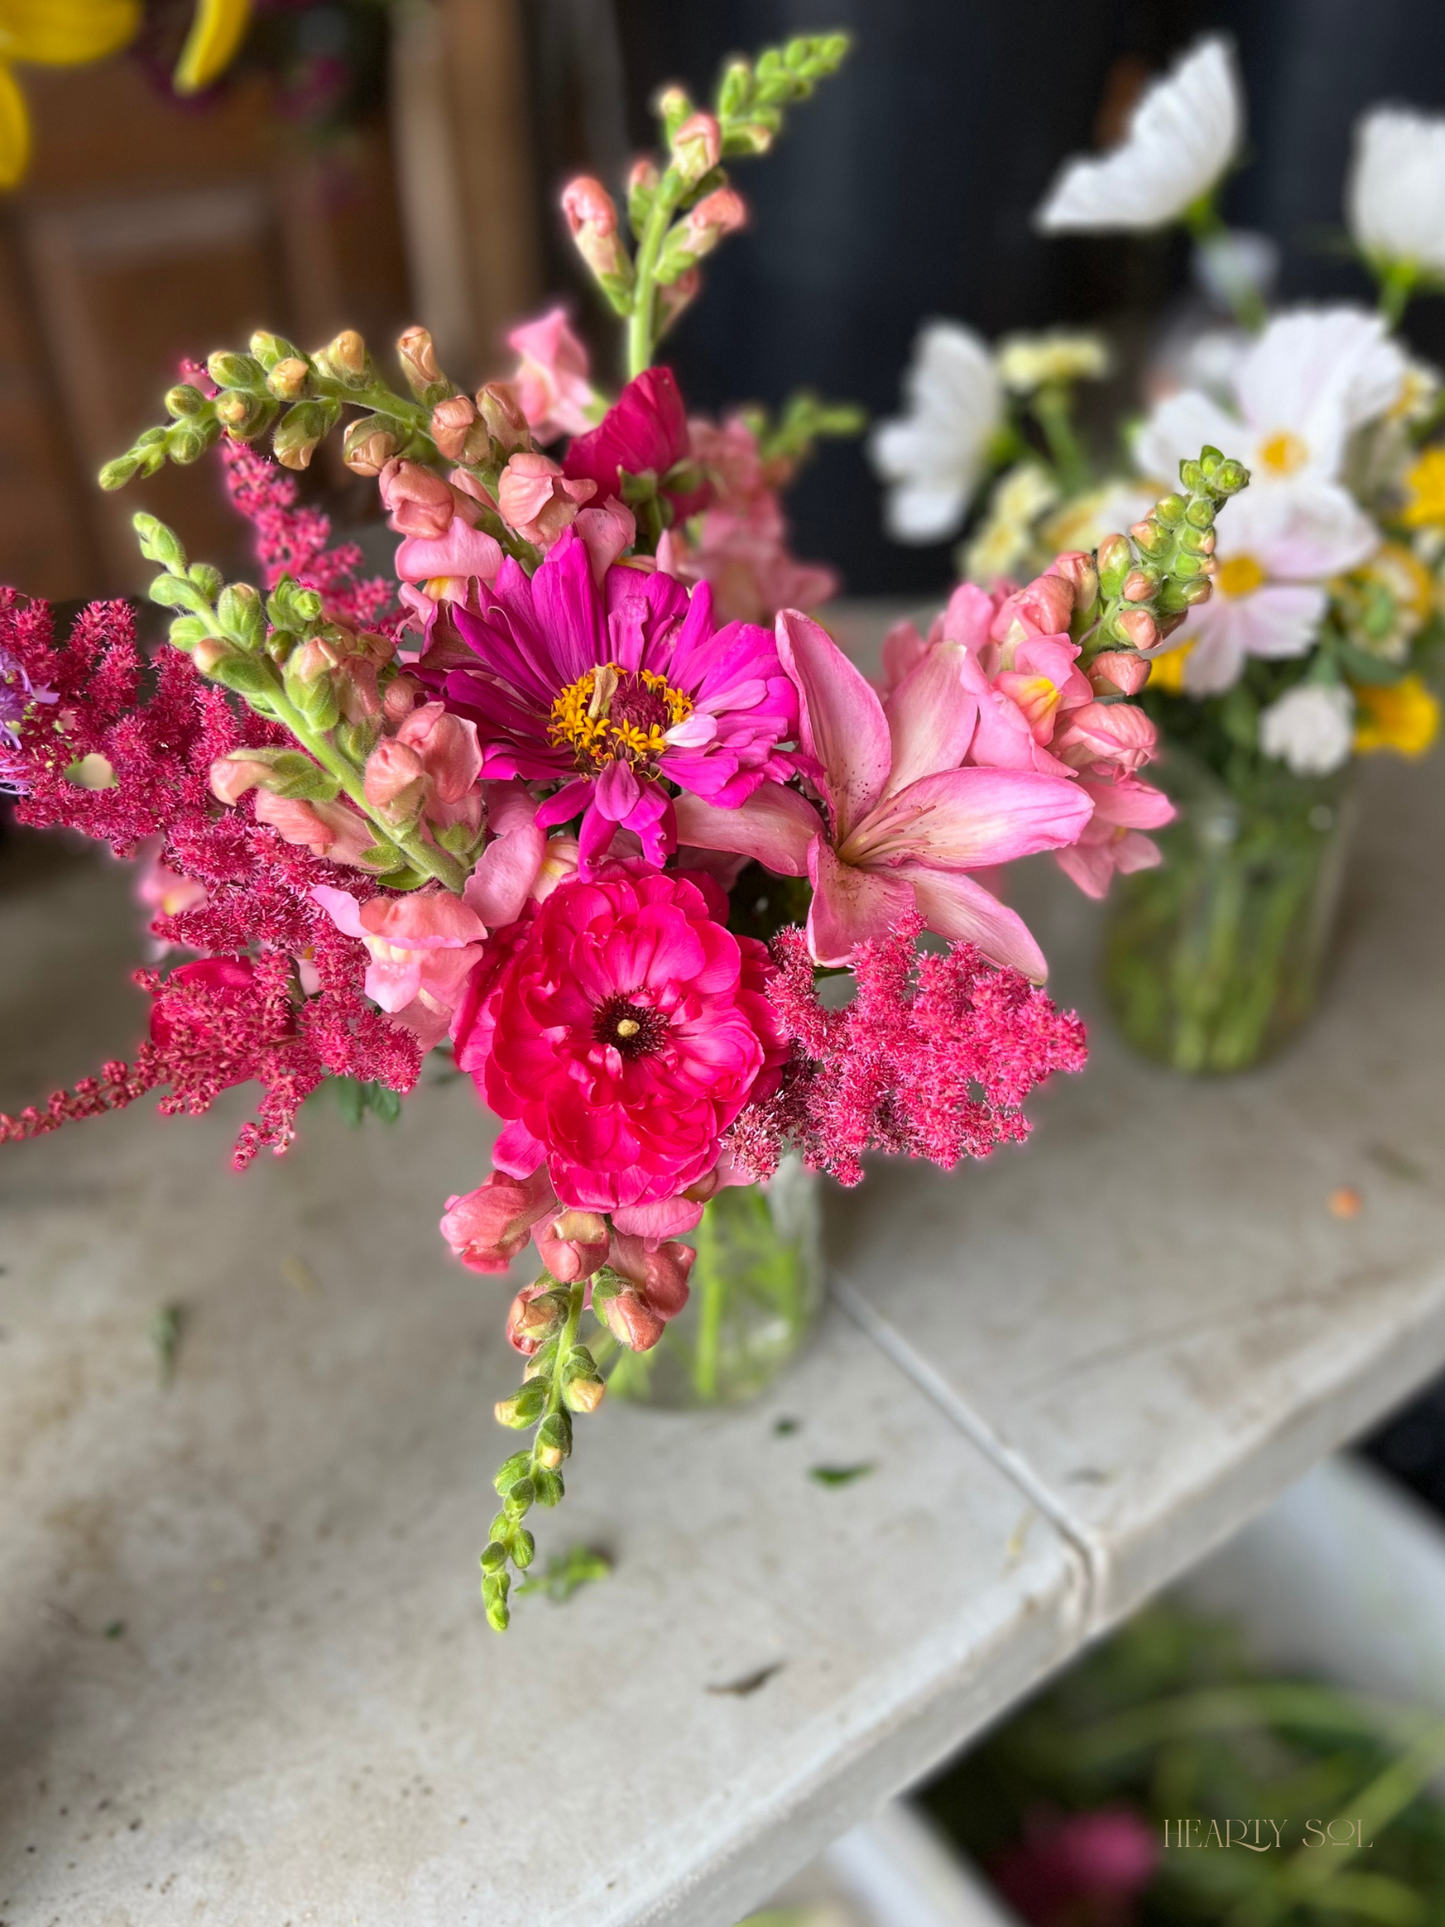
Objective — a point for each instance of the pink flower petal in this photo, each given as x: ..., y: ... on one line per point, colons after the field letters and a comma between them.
x: 842, y: 723
x: 955, y: 906
x: 774, y: 826
x: 965, y: 819
x: 505, y: 872
x: 931, y: 716
x: 850, y: 906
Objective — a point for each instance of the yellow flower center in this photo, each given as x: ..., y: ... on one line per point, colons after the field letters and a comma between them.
x: 1167, y: 672
x: 1426, y: 483
x: 613, y: 713
x: 1241, y: 575
x: 1283, y: 453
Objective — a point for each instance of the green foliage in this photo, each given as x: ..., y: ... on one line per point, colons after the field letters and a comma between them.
x: 567, y: 1572
x: 1171, y: 1720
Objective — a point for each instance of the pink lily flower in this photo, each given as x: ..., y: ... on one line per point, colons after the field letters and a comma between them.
x: 1112, y: 838
x: 905, y: 824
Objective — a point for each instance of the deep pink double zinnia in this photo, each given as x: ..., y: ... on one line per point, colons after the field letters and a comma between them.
x: 627, y: 1033
x: 611, y: 688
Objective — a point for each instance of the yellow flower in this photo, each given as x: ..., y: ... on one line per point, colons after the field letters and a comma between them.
x: 1168, y: 671
x: 216, y: 33
x: 73, y: 33
x: 1426, y: 483
x: 1403, y: 716
x: 51, y: 33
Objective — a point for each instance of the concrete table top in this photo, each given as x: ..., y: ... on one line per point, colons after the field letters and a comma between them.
x: 244, y: 1675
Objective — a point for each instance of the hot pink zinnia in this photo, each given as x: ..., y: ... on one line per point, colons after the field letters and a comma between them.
x: 613, y: 688
x: 630, y: 1029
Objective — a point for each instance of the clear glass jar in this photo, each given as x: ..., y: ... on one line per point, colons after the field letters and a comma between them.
x: 755, y: 1295
x: 1215, y: 959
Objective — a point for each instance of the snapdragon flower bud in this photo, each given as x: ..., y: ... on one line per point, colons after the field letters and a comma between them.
x: 501, y: 410
x: 344, y: 357
x: 458, y: 432
x: 697, y: 147
x: 369, y: 445
x: 287, y: 380
x: 716, y: 214
x: 591, y: 216
x: 416, y: 351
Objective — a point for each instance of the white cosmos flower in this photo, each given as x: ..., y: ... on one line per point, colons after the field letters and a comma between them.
x: 1395, y: 195
x: 1311, y: 379
x: 1182, y: 135
x: 934, y: 455
x: 1311, y: 728
x: 1274, y: 552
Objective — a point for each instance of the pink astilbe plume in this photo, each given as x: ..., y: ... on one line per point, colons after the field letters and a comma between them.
x: 292, y: 539
x: 932, y: 1059
x: 238, y: 1015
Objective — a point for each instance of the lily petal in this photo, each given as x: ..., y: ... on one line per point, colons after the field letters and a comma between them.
x: 954, y: 906
x: 931, y: 717
x: 850, y: 906
x: 774, y: 826
x: 841, y: 724
x: 967, y: 819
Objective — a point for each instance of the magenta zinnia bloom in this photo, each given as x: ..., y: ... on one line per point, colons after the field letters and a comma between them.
x: 630, y: 1029
x: 613, y: 688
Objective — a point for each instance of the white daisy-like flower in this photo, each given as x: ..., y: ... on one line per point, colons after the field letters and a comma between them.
x: 933, y: 456
x: 1274, y: 553
x: 1183, y: 134
x: 1395, y: 195
x: 1311, y: 379
x: 1311, y: 728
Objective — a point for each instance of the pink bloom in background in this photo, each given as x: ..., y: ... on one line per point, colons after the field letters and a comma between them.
x: 610, y: 687
x: 645, y: 430
x: 551, y: 380
x: 628, y: 1030
x: 741, y: 544
x: 1081, y: 1870
x: 905, y: 823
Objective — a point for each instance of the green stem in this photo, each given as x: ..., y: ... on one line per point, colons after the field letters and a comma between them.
x: 712, y: 1288
x: 1397, y: 285
x: 566, y: 1339
x: 642, y: 322
x: 1054, y: 414
x: 423, y: 856
x: 1206, y: 224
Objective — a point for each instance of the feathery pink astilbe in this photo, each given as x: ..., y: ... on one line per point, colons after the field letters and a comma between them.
x: 932, y: 1059
x: 293, y: 539
x: 159, y: 742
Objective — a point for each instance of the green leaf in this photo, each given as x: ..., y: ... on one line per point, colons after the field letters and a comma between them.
x: 384, y: 1102
x: 840, y: 1474
x: 349, y: 1099
x: 567, y: 1572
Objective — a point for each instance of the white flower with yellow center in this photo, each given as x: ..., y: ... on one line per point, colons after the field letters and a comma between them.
x: 1311, y: 379
x: 934, y: 455
x: 1182, y: 136
x: 1395, y: 195
x: 1269, y: 598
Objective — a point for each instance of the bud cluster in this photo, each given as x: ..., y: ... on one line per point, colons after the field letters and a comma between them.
x: 561, y: 1378
x: 680, y: 212
x: 1143, y: 584
x: 337, y: 691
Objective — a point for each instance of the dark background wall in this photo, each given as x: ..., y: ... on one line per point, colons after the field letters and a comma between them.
x: 903, y: 190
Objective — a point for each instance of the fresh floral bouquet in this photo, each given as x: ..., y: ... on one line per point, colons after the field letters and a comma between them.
x: 1326, y: 619
x: 555, y: 801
